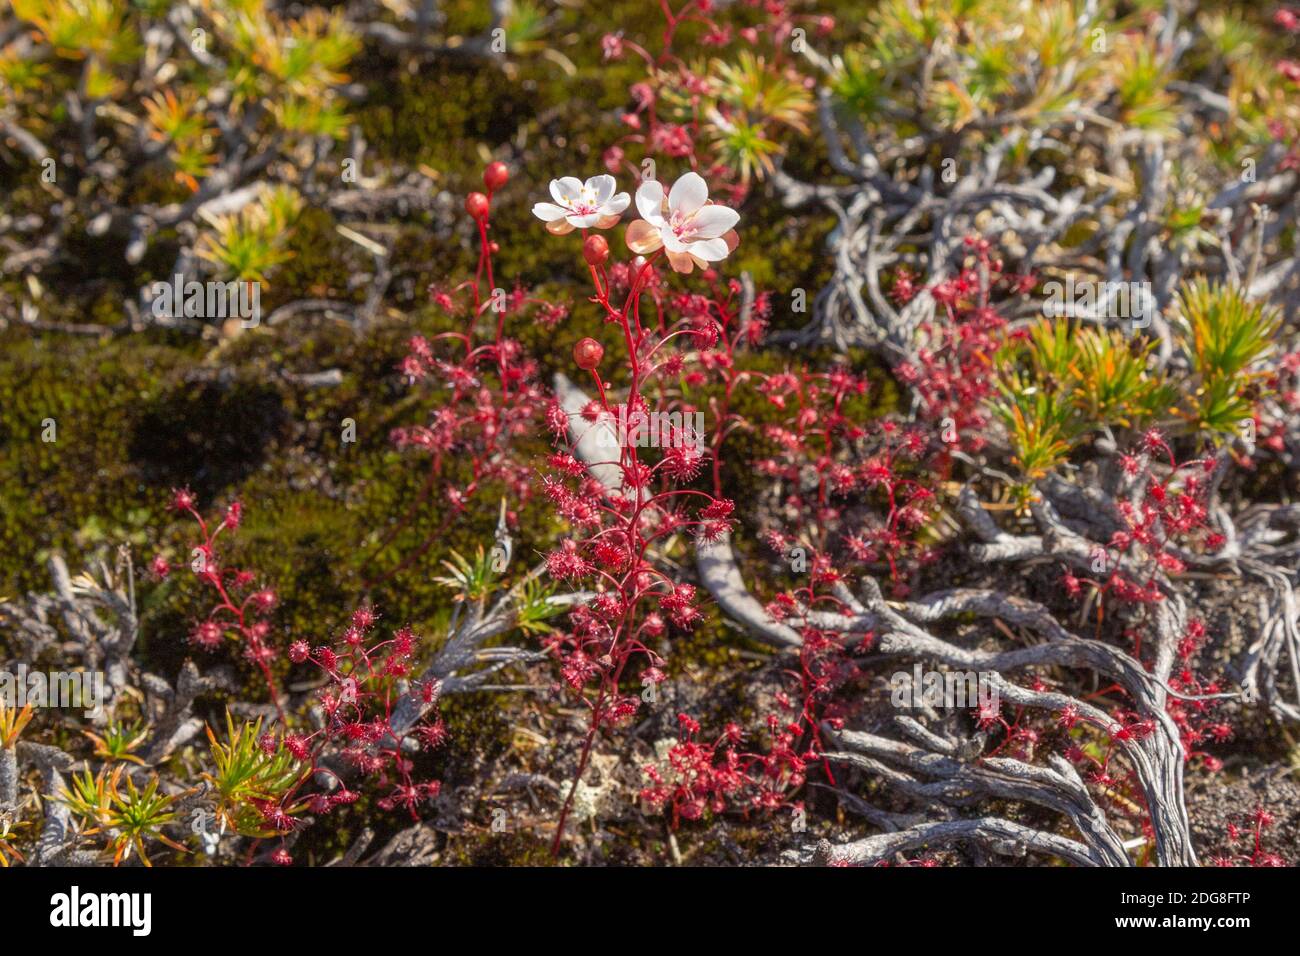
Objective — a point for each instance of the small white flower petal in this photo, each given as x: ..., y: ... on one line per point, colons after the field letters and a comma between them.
x: 673, y: 243
x: 603, y: 186
x: 548, y: 212
x: 584, y: 222
x: 650, y: 201
x: 712, y: 221
x: 616, y: 204
x: 688, y: 194
x: 710, y: 250
x: 566, y: 190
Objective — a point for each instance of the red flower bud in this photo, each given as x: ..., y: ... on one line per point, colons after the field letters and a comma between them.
x: 476, y: 204
x: 595, y: 250
x: 588, y: 353
x: 496, y: 176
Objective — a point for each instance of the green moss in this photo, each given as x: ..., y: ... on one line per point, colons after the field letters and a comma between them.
x: 90, y: 397
x: 438, y: 116
x: 509, y: 848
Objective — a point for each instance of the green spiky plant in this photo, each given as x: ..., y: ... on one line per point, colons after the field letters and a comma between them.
x: 251, y: 243
x: 1140, y: 79
x: 273, y: 57
x: 1115, y: 384
x: 750, y: 107
x: 525, y: 24
x: 177, y: 120
x: 81, y: 29
x: 254, y: 93
x: 473, y: 580
x: 8, y: 828
x: 534, y: 606
x: 87, y: 796
x: 1041, y: 426
x: 245, y: 775
x: 13, y: 722
x: 129, y: 816
x: 755, y: 103
x: 118, y: 742
x: 1225, y: 335
x: 978, y: 69
x: 476, y: 580
x: 289, y: 69
x: 1000, y: 59
x: 1064, y: 381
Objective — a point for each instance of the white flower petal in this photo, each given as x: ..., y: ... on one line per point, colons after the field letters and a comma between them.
x: 674, y: 244
x: 650, y: 201
x: 603, y: 186
x: 583, y: 222
x: 688, y: 194
x: 548, y: 212
x: 710, y: 250
x: 616, y: 204
x: 712, y: 221
x: 566, y: 190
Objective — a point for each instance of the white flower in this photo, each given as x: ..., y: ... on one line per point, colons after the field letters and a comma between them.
x: 579, y: 205
x: 692, y: 231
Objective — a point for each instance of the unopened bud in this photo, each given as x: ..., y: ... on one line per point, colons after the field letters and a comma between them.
x: 595, y: 250
x: 588, y: 353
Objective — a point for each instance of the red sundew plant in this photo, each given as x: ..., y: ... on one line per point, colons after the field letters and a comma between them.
x: 718, y: 324
x: 836, y: 470
x: 1271, y: 419
x: 479, y: 417
x: 604, y: 637
x: 696, y: 776
x: 1195, y: 714
x: 1253, y: 829
x: 366, y: 679
x: 832, y: 488
x: 616, y: 525
x: 825, y: 457
x: 1089, y: 743
x: 952, y: 371
x: 813, y: 441
x: 1166, y: 515
x: 241, y: 608
x: 260, y: 778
